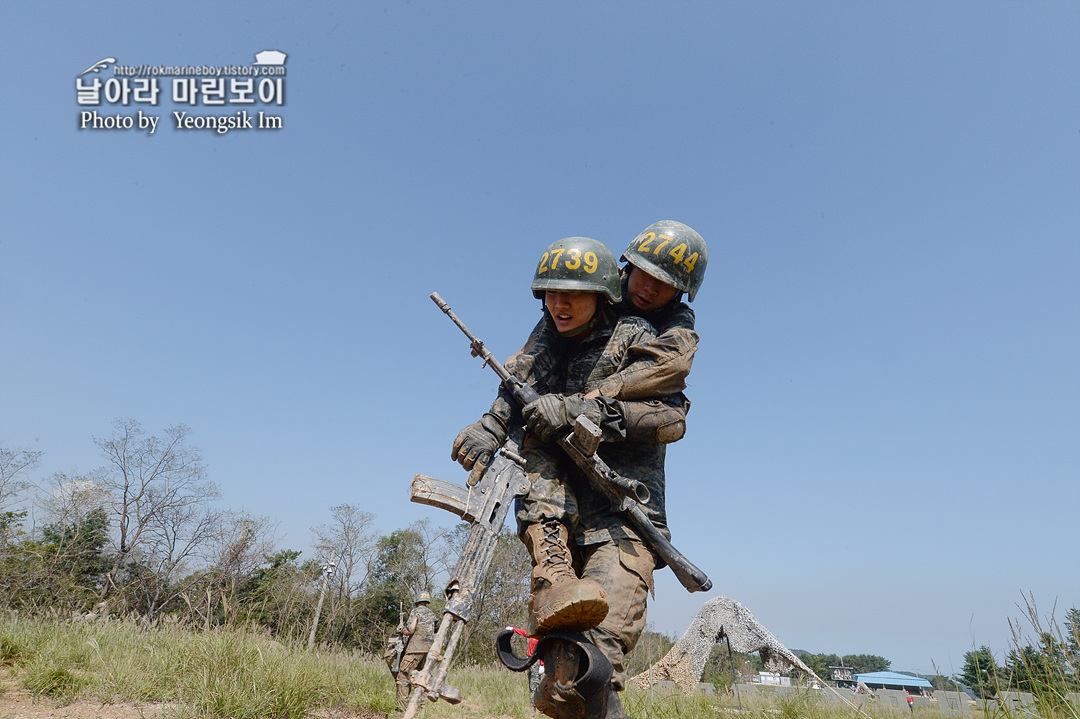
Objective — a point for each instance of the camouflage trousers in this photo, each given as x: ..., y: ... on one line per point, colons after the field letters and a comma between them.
x: 409, y: 662
x: 622, y: 566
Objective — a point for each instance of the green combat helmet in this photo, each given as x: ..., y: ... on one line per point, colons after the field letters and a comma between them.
x: 578, y: 264
x: 672, y: 252
x: 424, y: 597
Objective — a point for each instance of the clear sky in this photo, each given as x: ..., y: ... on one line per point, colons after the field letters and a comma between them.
x: 884, y: 446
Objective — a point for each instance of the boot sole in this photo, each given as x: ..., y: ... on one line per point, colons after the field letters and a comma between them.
x: 575, y: 616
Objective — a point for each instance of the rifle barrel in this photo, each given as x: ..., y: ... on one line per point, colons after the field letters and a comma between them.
x: 478, y: 348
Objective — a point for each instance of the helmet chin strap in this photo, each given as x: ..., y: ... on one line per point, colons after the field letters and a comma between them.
x: 585, y: 328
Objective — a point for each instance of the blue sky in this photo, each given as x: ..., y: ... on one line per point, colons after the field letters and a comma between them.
x: 884, y: 445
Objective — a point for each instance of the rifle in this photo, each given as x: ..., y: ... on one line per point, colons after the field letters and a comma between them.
x: 626, y: 495
x: 401, y: 641
x: 484, y: 503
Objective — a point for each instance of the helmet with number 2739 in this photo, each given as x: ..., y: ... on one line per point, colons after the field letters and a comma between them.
x: 578, y: 264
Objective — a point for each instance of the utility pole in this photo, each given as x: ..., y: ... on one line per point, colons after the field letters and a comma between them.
x: 328, y: 571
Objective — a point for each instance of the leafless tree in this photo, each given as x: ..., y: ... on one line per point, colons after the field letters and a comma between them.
x: 152, y: 482
x: 241, y: 547
x: 13, y: 464
x: 60, y: 565
x: 351, y: 538
x: 175, y: 545
x: 352, y: 541
x: 440, y: 553
x: 66, y: 500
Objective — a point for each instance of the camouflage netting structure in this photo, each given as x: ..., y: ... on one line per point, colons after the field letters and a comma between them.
x: 719, y: 618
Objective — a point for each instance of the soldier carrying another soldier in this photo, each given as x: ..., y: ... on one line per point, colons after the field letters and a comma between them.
x: 591, y: 570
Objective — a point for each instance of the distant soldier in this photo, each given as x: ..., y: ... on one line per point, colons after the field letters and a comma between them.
x: 420, y: 630
x: 395, y: 646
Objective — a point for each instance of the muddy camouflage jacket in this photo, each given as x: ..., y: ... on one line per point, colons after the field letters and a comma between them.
x: 660, y: 365
x: 635, y: 432
x: 421, y: 627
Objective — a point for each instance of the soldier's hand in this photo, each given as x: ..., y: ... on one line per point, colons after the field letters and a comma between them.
x: 553, y: 414
x: 477, y: 442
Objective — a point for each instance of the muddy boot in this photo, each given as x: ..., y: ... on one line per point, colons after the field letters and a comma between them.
x: 559, y: 599
x: 576, y: 678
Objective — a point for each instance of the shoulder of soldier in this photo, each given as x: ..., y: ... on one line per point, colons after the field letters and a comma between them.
x: 541, y: 343
x: 680, y: 316
x: 630, y: 324
x: 541, y: 333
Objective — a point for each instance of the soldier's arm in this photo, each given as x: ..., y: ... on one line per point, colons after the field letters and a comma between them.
x: 657, y: 366
x: 410, y: 628
x: 655, y: 420
x: 657, y: 415
x: 535, y: 359
x: 476, y: 443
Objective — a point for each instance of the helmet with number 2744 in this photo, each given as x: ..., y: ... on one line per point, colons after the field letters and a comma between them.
x: 672, y: 252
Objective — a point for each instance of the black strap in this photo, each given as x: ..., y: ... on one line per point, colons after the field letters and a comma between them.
x: 506, y: 653
x: 594, y: 672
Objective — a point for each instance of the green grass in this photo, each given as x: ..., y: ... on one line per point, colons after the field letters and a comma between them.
x: 219, y: 674
x: 238, y: 675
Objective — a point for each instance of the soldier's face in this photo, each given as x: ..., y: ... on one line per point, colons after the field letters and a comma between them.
x: 646, y: 292
x: 570, y: 310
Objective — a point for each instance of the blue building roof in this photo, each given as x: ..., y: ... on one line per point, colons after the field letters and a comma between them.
x: 892, y: 679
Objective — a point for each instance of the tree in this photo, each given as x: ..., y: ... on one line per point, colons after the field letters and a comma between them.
x: 241, y: 548
x: 651, y: 648
x: 980, y: 672
x: 174, y: 544
x: 1072, y: 634
x: 397, y: 575
x: 407, y: 562
x: 353, y: 544
x: 942, y: 682
x: 278, y: 595
x: 724, y: 667
x: 79, y: 548
x: 62, y: 568
x: 862, y: 663
x: 73, y: 539
x: 13, y: 464
x: 817, y: 663
x: 858, y: 663
x: 150, y: 480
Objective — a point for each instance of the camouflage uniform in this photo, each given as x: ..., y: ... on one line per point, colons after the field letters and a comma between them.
x: 655, y: 367
x: 634, y: 433
x: 660, y: 366
x: 421, y: 632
